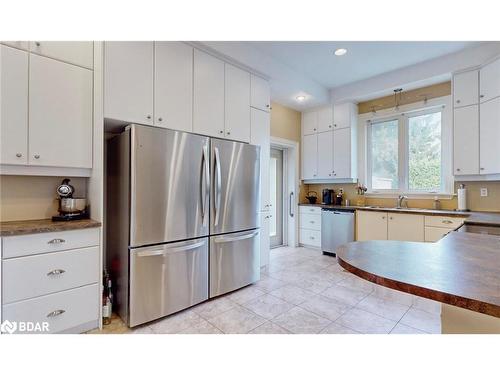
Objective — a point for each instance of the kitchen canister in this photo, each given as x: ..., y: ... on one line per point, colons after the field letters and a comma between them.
x: 462, y: 198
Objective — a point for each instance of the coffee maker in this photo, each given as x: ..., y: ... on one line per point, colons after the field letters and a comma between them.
x: 328, y: 196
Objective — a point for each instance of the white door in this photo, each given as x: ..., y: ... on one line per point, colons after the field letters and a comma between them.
x: 78, y: 53
x: 465, y: 88
x: 309, y: 122
x: 237, y: 104
x: 260, y: 93
x: 325, y: 155
x: 490, y: 81
x: 261, y: 136
x: 265, y: 242
x: 276, y: 197
x: 13, y: 106
x: 489, y: 136
x: 325, y: 119
x: 405, y: 227
x: 173, y: 88
x: 342, y: 153
x: 371, y: 225
x: 128, y: 81
x: 342, y: 114
x: 309, y: 156
x: 466, y: 140
x: 60, y: 114
x: 208, y: 101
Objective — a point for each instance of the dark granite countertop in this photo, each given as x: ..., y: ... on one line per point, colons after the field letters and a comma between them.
x: 16, y: 228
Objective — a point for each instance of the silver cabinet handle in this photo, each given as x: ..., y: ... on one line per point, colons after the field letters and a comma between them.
x: 56, y: 272
x: 267, y: 105
x: 311, y: 238
x: 228, y: 133
x: 160, y: 119
x: 217, y: 185
x: 458, y: 101
x: 238, y: 238
x: 221, y: 131
x: 162, y: 250
x: 383, y: 217
x: 37, y: 44
x: 481, y: 96
x: 458, y: 169
x: 148, y: 117
x: 19, y: 154
x: 312, y: 222
x: 290, y: 204
x: 36, y: 156
x: 482, y: 169
x: 447, y: 222
x: 55, y: 313
x: 56, y: 241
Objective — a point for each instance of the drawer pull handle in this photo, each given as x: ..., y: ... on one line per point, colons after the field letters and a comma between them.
x: 312, y: 222
x: 55, y: 272
x: 447, y: 222
x: 312, y: 238
x: 55, y: 313
x: 56, y: 240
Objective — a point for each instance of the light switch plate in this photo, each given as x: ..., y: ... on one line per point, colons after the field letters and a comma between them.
x: 484, y: 192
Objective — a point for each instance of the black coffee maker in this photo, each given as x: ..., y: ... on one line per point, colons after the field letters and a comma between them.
x: 328, y: 196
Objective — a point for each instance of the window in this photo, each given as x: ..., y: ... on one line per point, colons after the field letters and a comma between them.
x: 405, y: 153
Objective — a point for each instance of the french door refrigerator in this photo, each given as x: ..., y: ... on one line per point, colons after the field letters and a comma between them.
x: 167, y: 193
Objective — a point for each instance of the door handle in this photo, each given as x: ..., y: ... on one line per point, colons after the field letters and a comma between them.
x: 238, y: 238
x: 290, y: 204
x: 162, y: 250
x: 204, y: 180
x: 217, y: 185
x: 55, y: 272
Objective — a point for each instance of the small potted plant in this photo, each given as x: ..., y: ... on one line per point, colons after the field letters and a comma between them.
x: 361, y: 190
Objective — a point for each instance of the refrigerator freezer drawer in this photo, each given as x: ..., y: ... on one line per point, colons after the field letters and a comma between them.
x: 234, y: 261
x: 167, y: 278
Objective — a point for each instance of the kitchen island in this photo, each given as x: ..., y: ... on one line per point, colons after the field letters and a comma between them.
x: 462, y: 271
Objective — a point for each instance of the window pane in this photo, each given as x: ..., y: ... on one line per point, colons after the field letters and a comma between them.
x: 424, y: 145
x: 384, y: 155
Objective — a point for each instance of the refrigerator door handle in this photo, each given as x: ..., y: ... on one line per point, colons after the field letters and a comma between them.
x: 217, y: 185
x: 162, y: 250
x: 238, y: 238
x: 290, y: 204
x: 206, y: 181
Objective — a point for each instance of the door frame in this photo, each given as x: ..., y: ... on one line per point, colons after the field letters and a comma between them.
x: 290, y: 185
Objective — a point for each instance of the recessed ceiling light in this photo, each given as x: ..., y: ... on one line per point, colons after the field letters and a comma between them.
x: 340, y: 51
x: 301, y: 98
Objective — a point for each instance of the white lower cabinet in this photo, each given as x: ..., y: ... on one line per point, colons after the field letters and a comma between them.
x: 405, y: 227
x: 436, y: 227
x: 371, y: 225
x: 310, y: 226
x: 265, y: 240
x: 434, y: 234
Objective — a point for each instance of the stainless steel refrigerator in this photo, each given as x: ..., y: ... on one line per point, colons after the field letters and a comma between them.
x: 181, y: 221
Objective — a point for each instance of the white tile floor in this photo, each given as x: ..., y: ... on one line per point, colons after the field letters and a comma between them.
x: 303, y: 291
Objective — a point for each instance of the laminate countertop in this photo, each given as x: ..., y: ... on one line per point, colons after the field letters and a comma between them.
x: 462, y: 269
x: 16, y: 228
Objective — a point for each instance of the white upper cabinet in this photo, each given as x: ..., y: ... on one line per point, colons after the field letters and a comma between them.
x: 342, y: 157
x: 325, y: 155
x: 21, y: 44
x: 60, y: 114
x: 309, y: 156
x: 465, y: 88
x: 489, y: 137
x: 466, y: 140
x: 309, y: 122
x: 260, y: 96
x: 208, y: 102
x: 261, y: 136
x: 173, y: 89
x: 78, y: 53
x: 237, y: 104
x: 344, y: 115
x: 489, y: 81
x: 325, y: 119
x: 128, y: 81
x: 13, y: 106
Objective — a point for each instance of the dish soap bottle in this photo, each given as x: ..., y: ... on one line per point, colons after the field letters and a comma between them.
x: 437, y: 203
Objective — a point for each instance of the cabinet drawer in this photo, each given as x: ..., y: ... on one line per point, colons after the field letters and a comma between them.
x: 31, y: 244
x: 434, y: 234
x: 63, y: 311
x: 443, y: 221
x: 310, y: 210
x: 36, y: 275
x: 310, y: 221
x: 310, y: 237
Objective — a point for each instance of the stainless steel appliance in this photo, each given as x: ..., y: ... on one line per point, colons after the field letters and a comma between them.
x: 180, y: 208
x: 337, y: 228
x: 70, y: 208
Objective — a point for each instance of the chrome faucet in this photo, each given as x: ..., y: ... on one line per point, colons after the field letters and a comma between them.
x: 401, y: 199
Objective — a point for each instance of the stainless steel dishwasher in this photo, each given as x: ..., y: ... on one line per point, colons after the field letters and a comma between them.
x: 337, y: 228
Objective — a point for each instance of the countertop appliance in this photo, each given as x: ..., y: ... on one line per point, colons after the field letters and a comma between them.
x: 337, y: 228
x: 328, y: 196
x: 70, y: 208
x: 182, y: 219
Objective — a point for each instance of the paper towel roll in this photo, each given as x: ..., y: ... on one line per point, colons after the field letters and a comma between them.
x: 462, y: 198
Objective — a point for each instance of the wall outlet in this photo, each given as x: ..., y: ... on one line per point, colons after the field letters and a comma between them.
x: 484, y: 192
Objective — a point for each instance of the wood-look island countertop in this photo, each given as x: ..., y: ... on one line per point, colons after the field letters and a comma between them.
x: 462, y: 269
x: 16, y: 228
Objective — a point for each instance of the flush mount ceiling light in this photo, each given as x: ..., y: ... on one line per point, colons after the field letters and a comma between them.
x: 301, y: 98
x: 340, y: 51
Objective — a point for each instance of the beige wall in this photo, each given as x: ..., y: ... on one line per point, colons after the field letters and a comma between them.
x: 32, y: 197
x: 285, y: 122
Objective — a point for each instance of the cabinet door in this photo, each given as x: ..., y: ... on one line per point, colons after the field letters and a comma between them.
x: 434, y: 234
x: 309, y: 122
x: 371, y: 225
x: 489, y: 136
x: 13, y: 106
x: 325, y: 119
x: 325, y: 155
x: 342, y: 153
x: 465, y: 88
x: 173, y: 95
x: 60, y: 114
x: 405, y: 227
x: 309, y: 156
x: 128, y: 81
x: 208, y: 102
x: 260, y: 93
x: 22, y: 44
x: 261, y: 136
x: 466, y: 140
x: 78, y: 53
x: 265, y: 243
x: 237, y: 104
x: 489, y: 81
x: 342, y: 115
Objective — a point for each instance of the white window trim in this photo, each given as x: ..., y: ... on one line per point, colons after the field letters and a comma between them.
x: 446, y: 148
